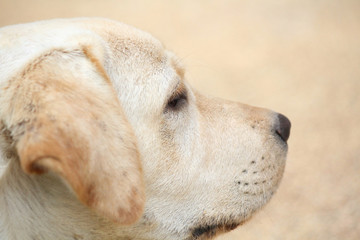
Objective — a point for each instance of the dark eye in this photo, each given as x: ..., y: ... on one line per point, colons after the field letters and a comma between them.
x: 176, y: 102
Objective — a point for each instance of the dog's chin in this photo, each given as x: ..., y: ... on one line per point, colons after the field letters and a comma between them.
x: 209, y: 231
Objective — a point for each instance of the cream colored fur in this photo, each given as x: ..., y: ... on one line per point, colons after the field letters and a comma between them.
x: 91, y: 149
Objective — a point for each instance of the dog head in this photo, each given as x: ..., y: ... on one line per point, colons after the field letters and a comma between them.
x: 107, y: 109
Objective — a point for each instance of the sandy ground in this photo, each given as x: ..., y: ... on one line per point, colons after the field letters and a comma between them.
x: 301, y: 58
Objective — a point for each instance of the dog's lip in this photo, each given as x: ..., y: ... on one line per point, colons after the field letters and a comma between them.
x: 210, y: 230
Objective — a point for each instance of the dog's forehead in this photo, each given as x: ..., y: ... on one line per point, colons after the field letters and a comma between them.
x: 141, y: 70
x: 24, y: 42
x: 144, y: 84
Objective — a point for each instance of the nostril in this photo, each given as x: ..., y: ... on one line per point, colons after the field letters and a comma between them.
x: 283, y: 127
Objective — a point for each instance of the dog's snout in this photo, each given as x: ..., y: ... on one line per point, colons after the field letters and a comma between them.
x: 282, y: 128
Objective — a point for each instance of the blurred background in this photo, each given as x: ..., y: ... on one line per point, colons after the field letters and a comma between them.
x: 298, y: 57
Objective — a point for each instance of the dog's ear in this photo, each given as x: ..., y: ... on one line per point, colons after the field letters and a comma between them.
x: 66, y: 118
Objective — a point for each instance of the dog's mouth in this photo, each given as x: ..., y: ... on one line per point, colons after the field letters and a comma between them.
x: 210, y: 231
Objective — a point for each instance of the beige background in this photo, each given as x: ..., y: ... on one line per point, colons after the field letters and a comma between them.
x: 301, y: 58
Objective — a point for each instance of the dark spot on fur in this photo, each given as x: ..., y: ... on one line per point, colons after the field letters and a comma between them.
x: 255, y: 172
x: 6, y: 134
x: 91, y: 194
x: 264, y: 181
x: 245, y: 184
x: 37, y: 169
x: 253, y: 162
x: 262, y: 158
x: 256, y: 183
x: 20, y: 128
x: 239, y: 182
x: 244, y: 171
x: 209, y: 230
x: 246, y: 192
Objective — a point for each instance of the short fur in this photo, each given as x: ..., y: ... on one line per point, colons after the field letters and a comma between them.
x: 91, y: 149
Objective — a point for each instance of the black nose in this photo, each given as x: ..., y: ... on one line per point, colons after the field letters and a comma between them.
x: 283, y: 127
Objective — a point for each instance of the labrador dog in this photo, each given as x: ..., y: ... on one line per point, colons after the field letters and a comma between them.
x: 101, y: 137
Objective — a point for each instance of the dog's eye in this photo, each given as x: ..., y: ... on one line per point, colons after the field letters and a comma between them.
x: 177, y: 101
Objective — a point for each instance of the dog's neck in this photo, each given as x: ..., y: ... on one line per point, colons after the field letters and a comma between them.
x: 42, y: 207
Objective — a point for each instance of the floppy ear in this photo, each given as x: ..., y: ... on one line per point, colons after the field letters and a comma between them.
x: 66, y: 118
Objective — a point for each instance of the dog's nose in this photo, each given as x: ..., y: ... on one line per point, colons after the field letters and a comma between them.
x: 282, y: 128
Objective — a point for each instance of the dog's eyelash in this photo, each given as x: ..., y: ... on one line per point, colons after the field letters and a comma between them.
x: 177, y: 101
